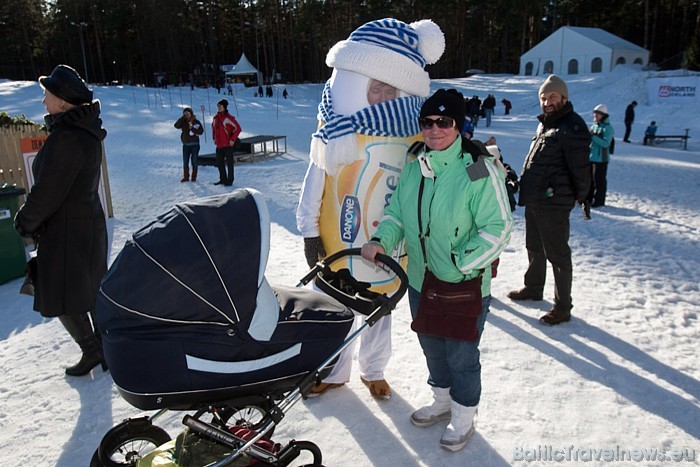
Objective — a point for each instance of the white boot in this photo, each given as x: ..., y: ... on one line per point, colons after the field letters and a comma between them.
x: 433, y: 413
x: 460, y: 429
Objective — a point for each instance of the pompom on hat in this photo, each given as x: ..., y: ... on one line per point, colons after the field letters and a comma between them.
x: 391, y: 51
x: 65, y: 83
x: 553, y: 83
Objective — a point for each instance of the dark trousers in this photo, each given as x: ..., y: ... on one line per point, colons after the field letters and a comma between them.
x: 599, y: 183
x: 224, y: 160
x: 547, y: 239
x: 190, y: 151
x: 628, y: 130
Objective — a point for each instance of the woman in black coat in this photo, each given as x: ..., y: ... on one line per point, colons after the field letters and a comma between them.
x: 63, y: 213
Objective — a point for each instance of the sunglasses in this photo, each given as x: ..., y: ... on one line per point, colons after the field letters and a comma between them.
x: 442, y: 123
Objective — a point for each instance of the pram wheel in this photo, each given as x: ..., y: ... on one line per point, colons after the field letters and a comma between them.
x: 128, y: 442
x: 249, y: 416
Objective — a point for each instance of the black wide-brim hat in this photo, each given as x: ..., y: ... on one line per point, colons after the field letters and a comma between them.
x: 65, y: 83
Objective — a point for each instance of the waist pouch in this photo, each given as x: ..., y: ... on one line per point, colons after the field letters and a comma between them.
x: 449, y: 310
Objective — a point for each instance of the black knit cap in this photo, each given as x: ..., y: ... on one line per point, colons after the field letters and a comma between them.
x: 224, y: 103
x: 445, y: 102
x: 65, y: 83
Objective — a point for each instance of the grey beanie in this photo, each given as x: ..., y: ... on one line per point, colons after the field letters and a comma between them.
x: 553, y: 83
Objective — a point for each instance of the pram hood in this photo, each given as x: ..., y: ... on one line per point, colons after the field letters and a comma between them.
x: 188, y: 317
x: 202, y: 262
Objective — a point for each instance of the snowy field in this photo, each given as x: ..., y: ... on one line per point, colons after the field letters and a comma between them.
x: 623, y: 375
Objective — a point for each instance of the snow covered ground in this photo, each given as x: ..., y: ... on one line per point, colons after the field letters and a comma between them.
x: 622, y: 375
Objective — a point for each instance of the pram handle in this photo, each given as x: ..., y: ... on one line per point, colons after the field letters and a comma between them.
x: 383, y: 302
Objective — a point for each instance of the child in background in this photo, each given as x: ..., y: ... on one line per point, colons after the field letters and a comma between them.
x: 650, y: 133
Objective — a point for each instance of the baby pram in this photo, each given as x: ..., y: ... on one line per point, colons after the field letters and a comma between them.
x: 189, y: 322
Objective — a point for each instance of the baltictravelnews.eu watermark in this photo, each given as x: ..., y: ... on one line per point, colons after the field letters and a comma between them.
x: 549, y: 453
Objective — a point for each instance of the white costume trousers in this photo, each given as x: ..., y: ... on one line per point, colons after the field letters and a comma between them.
x: 373, y: 355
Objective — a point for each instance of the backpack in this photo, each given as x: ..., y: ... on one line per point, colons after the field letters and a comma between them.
x: 611, y: 149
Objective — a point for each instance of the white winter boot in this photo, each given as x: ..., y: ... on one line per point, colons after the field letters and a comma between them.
x: 433, y: 413
x: 460, y: 429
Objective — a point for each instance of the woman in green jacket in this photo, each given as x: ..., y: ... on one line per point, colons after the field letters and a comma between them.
x: 465, y: 225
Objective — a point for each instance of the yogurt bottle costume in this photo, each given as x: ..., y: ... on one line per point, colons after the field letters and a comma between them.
x: 357, y: 155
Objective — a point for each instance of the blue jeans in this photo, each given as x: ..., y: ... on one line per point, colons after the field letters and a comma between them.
x: 488, y: 113
x: 190, y: 150
x: 452, y: 363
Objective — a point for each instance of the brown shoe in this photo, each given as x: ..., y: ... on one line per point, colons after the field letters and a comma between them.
x: 323, y: 387
x: 553, y: 317
x: 379, y: 389
x: 525, y: 294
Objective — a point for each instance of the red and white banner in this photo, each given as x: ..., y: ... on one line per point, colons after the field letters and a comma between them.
x: 674, y: 90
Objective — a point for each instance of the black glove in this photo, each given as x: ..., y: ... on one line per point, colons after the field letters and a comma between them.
x: 20, y: 228
x: 313, y: 250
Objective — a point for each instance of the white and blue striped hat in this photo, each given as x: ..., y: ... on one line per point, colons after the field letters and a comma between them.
x: 391, y: 51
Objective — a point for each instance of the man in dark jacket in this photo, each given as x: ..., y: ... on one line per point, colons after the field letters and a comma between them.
x: 629, y: 119
x: 489, y: 105
x: 555, y: 175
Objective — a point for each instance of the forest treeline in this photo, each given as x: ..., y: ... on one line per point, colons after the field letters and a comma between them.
x: 134, y: 40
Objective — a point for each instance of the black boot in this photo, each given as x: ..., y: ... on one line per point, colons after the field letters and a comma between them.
x: 80, y: 329
x: 98, y: 336
x: 586, y: 207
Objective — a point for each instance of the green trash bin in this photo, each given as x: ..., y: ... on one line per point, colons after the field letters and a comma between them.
x: 12, y: 253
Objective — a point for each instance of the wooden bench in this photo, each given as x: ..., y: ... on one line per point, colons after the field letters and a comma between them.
x: 252, y: 148
x: 662, y: 138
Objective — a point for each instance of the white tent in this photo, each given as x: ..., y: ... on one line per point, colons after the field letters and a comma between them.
x: 242, y: 68
x: 574, y: 50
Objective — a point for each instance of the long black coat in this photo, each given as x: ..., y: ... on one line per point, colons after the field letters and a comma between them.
x: 556, y: 171
x: 64, y: 215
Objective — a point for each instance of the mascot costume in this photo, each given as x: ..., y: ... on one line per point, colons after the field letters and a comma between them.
x: 357, y: 155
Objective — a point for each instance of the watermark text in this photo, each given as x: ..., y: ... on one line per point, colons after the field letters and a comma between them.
x: 549, y: 453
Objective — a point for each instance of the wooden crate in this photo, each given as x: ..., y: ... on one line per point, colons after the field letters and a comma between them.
x: 12, y: 164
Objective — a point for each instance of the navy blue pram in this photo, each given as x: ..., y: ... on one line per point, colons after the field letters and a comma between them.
x: 187, y: 314
x: 189, y: 322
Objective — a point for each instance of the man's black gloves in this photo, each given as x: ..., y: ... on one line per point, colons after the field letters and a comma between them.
x: 313, y: 250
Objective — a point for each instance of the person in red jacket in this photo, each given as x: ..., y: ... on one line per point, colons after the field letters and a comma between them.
x: 225, y: 130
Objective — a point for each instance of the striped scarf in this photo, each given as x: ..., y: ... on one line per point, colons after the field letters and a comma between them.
x: 397, y: 117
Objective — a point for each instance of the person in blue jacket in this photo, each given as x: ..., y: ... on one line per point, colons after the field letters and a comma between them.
x: 650, y: 133
x: 601, y: 136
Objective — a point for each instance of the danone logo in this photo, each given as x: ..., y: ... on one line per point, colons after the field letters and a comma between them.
x: 349, y: 218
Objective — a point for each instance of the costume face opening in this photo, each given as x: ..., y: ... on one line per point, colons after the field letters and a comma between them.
x: 380, y: 92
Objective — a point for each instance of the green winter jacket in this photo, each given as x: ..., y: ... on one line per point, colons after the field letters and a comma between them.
x: 466, y: 221
x: 601, y: 135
